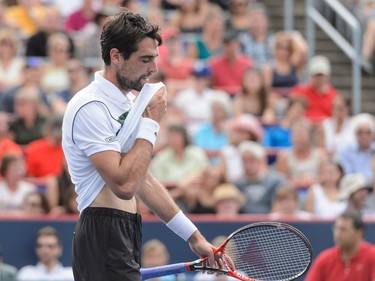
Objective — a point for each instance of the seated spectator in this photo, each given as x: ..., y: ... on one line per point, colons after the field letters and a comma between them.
x: 88, y: 44
x: 286, y: 205
x: 35, y: 204
x: 284, y: 73
x: 179, y: 159
x: 7, y: 271
x: 77, y: 20
x: 322, y: 198
x: 6, y: 144
x: 229, y: 66
x: 253, y: 97
x: 279, y: 135
x: 176, y: 66
x: 357, y: 157
x: 212, y: 135
x: 289, y: 59
x: 155, y: 253
x: 336, y: 132
x: 48, y: 249
x: 69, y: 203
x: 209, y: 42
x: 241, y: 128
x: 36, y: 45
x: 55, y: 76
x: 355, y: 189
x: 28, y: 123
x: 198, y: 191
x: 302, y: 162
x: 258, y: 40
x: 31, y: 75
x: 228, y: 200
x: 25, y: 17
x: 78, y: 79
x: 351, y: 252
x: 318, y: 92
x: 259, y: 183
x: 11, y: 64
x: 195, y: 101
x: 189, y: 17
x: 59, y: 191
x: 13, y: 187
x: 238, y: 15
x: 49, y: 147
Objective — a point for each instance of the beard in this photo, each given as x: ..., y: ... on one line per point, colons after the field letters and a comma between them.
x: 127, y: 84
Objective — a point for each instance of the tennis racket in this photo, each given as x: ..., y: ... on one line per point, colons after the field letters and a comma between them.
x: 260, y: 251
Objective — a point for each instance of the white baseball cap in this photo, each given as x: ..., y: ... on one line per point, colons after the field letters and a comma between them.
x: 351, y: 183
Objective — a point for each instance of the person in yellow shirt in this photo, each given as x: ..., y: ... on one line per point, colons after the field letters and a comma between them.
x: 25, y: 16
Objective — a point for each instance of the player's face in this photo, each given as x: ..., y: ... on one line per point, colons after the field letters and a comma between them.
x: 135, y: 71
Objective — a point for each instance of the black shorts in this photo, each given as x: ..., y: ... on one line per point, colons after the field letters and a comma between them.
x: 107, y: 245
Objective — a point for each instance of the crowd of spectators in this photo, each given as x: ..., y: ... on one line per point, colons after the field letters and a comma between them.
x: 244, y: 133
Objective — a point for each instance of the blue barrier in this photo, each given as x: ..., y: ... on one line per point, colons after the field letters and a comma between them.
x: 17, y: 236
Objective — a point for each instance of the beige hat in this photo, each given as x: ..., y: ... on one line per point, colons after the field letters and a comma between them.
x: 351, y: 183
x: 228, y: 191
x: 319, y: 65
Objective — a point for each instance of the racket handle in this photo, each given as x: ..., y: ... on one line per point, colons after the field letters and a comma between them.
x: 164, y: 270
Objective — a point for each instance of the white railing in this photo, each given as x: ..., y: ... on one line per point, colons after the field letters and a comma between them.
x: 352, y: 47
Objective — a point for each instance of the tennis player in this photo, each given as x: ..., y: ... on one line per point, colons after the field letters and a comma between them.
x: 108, y: 149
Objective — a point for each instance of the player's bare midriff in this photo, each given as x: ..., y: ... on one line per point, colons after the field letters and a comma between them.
x: 107, y: 199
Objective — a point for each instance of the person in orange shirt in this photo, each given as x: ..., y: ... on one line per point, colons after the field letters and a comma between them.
x: 44, y: 157
x: 319, y: 91
x: 7, y: 146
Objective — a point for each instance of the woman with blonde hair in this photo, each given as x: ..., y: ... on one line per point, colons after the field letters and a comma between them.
x: 289, y: 52
x: 11, y: 65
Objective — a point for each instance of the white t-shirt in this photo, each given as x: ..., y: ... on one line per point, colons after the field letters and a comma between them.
x: 13, y: 200
x: 39, y: 272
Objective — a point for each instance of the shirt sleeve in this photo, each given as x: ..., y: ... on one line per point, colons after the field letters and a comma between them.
x: 95, y: 129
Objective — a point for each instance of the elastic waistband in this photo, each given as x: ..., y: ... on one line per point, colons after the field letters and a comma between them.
x: 109, y: 212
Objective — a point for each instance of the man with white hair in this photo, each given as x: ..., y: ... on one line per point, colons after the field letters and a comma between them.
x: 259, y: 184
x: 356, y: 158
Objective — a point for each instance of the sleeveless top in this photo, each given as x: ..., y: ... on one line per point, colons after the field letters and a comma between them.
x: 325, y: 207
x: 286, y: 80
x: 305, y: 166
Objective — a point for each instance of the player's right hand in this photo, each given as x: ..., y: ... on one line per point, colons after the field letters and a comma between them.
x: 158, y: 105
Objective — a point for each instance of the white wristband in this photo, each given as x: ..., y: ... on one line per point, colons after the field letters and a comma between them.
x: 148, y: 130
x: 182, y: 226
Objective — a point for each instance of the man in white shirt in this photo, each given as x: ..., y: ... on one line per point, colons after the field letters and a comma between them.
x: 48, y: 249
x: 108, y: 143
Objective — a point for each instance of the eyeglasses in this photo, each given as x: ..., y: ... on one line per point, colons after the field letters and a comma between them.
x: 49, y: 246
x: 363, y: 132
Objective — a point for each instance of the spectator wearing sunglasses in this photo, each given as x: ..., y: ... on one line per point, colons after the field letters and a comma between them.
x: 48, y: 249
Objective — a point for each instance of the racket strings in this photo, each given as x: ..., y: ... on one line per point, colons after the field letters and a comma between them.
x: 268, y: 253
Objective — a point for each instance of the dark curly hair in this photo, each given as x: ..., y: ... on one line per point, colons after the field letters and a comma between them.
x: 124, y: 30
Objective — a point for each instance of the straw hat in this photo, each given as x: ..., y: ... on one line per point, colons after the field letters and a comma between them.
x: 227, y: 191
x: 351, y: 183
